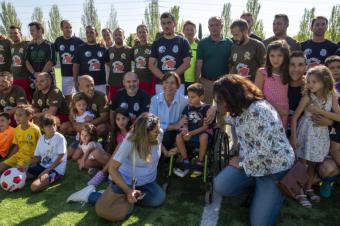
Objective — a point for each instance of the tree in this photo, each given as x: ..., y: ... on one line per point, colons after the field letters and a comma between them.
x: 8, y: 17
x: 333, y: 32
x: 112, y: 22
x: 38, y: 16
x: 89, y: 17
x: 152, y: 16
x: 253, y: 7
x: 304, y: 30
x: 130, y: 41
x: 54, y: 30
x: 200, y: 35
x: 226, y: 19
x: 175, y: 12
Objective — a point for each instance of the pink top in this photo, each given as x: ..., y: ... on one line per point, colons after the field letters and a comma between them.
x: 120, y: 137
x: 276, y: 93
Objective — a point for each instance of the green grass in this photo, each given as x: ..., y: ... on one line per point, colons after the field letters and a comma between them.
x: 184, y: 206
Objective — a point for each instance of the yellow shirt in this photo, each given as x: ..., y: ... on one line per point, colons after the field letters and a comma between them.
x: 26, y: 139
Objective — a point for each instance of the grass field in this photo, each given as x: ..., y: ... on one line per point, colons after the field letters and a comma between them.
x: 184, y: 206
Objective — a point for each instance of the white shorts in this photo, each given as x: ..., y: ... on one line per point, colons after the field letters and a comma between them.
x: 159, y: 89
x: 67, y: 86
x: 100, y: 88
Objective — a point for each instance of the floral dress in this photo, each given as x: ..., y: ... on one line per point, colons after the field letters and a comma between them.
x: 312, y: 140
x: 264, y: 147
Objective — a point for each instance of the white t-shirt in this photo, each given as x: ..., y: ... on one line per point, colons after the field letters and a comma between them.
x: 144, y: 172
x: 49, y: 149
x: 91, y: 145
x: 81, y: 119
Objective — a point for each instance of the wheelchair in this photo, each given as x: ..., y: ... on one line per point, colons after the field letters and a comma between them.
x: 216, y: 158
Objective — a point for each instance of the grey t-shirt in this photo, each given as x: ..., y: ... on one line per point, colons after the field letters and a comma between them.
x: 145, y: 172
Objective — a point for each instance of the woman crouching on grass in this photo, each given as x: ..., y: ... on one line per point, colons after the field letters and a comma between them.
x: 133, y: 170
x: 265, y: 151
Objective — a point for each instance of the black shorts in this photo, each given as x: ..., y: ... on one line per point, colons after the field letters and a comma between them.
x: 335, y: 132
x: 36, y: 170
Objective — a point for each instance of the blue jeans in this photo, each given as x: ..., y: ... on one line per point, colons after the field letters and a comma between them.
x: 155, y: 196
x: 267, y: 200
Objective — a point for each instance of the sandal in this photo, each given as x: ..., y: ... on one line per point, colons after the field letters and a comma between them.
x: 303, y: 201
x: 312, y: 196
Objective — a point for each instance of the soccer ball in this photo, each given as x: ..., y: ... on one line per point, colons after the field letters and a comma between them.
x: 13, y: 179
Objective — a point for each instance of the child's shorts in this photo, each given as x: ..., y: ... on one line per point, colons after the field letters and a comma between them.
x: 17, y: 159
x: 37, y: 169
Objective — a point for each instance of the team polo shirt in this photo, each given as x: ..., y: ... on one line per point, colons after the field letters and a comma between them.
x: 98, y: 103
x: 18, y: 66
x: 39, y: 54
x: 170, y: 53
x: 141, y: 54
x: 246, y: 59
x: 53, y: 98
x: 189, y: 74
x: 26, y: 140
x: 5, y: 55
x: 215, y: 56
x: 119, y: 63
x: 66, y: 49
x: 135, y: 105
x: 293, y: 44
x: 316, y: 53
x: 91, y: 60
x: 11, y: 100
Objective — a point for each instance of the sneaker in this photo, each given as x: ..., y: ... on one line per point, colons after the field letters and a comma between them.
x: 82, y: 195
x: 181, y: 173
x: 326, y: 185
x: 97, y: 179
x: 183, y: 170
x: 198, y: 170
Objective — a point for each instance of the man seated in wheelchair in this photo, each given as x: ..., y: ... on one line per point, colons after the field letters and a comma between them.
x: 196, y: 131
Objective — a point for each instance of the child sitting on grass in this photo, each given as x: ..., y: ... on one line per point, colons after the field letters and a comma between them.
x: 194, y: 131
x: 49, y: 162
x: 25, y: 139
x: 6, y: 134
x: 89, y: 154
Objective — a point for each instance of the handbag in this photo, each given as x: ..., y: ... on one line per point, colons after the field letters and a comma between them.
x: 294, y: 180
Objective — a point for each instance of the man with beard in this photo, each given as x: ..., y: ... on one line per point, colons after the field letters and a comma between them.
x: 280, y: 25
x: 18, y: 66
x: 213, y: 53
x: 131, y: 98
x: 90, y: 59
x: 66, y: 45
x: 5, y: 53
x: 249, y: 18
x: 10, y: 95
x: 318, y: 48
x: 97, y: 104
x: 170, y: 52
x: 247, y: 54
x: 120, y: 57
x: 40, y: 56
x: 107, y: 38
x: 48, y: 99
x: 141, y: 54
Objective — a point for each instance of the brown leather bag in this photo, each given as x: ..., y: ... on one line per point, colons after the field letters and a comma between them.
x: 294, y: 180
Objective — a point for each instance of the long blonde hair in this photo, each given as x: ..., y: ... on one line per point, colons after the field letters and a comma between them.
x: 139, y: 134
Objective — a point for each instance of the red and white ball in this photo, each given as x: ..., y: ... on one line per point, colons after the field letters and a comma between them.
x: 13, y: 179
